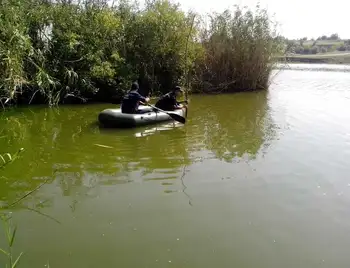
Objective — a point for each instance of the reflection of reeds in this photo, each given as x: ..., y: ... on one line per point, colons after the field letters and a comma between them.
x: 13, y: 129
x: 240, y: 129
x: 21, y: 126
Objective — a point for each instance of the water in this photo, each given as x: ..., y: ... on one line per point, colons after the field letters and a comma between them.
x: 251, y: 180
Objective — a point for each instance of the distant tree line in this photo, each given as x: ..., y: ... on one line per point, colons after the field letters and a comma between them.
x: 322, y: 44
x: 334, y: 36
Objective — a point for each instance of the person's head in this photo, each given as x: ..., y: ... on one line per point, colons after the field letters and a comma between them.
x: 135, y: 86
x: 178, y: 91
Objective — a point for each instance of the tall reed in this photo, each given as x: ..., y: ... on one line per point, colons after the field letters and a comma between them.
x: 10, y: 229
x: 238, y: 47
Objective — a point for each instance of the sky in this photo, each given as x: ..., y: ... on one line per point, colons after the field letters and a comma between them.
x: 297, y: 18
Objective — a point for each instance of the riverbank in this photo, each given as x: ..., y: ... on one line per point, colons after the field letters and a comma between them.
x: 329, y: 58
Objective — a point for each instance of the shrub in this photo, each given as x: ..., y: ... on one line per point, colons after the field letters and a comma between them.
x: 306, y: 50
x: 299, y: 50
x: 88, y: 49
x: 323, y: 50
x: 314, y: 50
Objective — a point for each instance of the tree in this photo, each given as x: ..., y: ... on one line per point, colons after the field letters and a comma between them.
x: 334, y: 36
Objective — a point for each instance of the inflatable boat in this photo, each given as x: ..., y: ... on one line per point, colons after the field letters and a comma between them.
x: 149, y: 115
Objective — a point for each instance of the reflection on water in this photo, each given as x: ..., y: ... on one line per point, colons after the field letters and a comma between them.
x: 155, y: 129
x: 233, y: 127
x: 251, y: 180
x: 66, y: 146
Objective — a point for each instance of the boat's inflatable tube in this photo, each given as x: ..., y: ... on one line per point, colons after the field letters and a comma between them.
x: 115, y: 117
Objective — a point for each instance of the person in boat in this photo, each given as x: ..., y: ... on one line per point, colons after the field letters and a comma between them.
x: 132, y: 99
x: 168, y: 101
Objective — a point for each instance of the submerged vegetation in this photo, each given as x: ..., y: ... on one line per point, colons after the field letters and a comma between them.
x: 63, y: 51
x: 9, y: 228
x: 7, y: 158
x: 6, y: 219
x: 10, y: 233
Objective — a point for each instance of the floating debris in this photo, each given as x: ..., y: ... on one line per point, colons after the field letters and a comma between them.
x: 104, y: 146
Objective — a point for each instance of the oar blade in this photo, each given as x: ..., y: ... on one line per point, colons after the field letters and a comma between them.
x: 177, y: 117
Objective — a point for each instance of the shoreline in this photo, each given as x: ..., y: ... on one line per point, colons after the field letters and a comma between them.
x: 328, y: 58
x: 283, y: 62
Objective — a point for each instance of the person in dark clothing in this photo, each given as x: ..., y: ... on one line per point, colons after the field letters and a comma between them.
x: 168, y: 101
x: 132, y: 100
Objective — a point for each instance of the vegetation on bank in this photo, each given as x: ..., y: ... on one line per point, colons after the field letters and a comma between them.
x: 63, y: 51
x: 328, y: 58
x: 324, y: 49
x: 322, y: 45
x: 9, y: 229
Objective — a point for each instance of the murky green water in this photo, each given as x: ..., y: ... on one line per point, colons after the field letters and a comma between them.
x: 252, y: 180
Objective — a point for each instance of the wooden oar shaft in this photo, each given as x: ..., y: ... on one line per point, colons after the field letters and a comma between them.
x: 174, y: 116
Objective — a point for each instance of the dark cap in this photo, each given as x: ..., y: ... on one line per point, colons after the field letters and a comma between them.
x: 135, y: 86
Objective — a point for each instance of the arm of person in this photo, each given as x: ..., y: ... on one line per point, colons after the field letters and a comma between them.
x: 142, y: 98
x: 177, y: 105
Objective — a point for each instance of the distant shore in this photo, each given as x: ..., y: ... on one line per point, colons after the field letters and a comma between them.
x: 330, y: 58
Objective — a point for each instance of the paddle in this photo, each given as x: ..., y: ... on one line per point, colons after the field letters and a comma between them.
x: 174, y: 116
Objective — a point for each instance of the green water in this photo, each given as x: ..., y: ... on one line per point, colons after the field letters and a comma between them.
x: 251, y: 180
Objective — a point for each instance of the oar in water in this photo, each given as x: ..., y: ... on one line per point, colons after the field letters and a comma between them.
x: 174, y: 116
